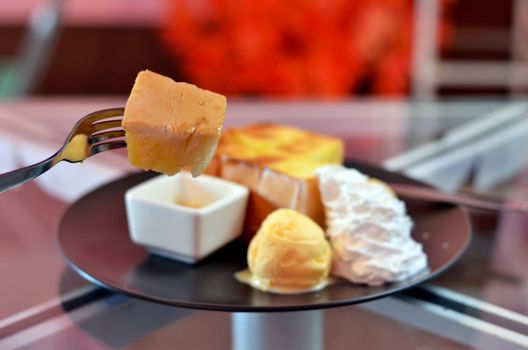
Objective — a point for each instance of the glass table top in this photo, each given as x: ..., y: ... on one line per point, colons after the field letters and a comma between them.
x: 465, y: 145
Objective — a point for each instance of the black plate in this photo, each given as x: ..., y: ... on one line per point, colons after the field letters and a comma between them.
x: 93, y: 236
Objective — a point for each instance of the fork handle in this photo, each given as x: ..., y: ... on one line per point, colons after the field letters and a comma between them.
x: 17, y: 177
x: 429, y: 194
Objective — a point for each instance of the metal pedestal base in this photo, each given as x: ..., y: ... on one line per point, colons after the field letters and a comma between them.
x: 278, y: 330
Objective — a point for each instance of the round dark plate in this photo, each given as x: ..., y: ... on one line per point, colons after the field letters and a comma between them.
x: 93, y: 236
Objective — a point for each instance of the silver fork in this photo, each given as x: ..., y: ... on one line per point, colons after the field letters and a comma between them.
x: 470, y: 200
x: 95, y: 133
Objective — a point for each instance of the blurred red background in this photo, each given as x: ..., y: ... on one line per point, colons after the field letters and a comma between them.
x: 309, y: 49
x: 294, y: 48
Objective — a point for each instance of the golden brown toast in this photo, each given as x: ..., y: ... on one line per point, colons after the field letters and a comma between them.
x: 171, y: 125
x: 277, y: 163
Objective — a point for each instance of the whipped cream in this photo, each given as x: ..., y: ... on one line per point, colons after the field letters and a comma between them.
x: 368, y: 227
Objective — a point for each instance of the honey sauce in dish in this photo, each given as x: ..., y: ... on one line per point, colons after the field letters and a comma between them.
x: 189, y: 204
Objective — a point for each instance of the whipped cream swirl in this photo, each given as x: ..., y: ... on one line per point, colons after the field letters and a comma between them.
x: 368, y: 227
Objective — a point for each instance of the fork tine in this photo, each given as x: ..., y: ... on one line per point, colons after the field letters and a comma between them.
x: 105, y: 135
x: 84, y: 125
x: 106, y: 124
x: 105, y: 146
x: 103, y: 114
x: 74, y: 147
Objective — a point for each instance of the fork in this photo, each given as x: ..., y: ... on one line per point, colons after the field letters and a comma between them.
x: 95, y: 133
x: 470, y: 200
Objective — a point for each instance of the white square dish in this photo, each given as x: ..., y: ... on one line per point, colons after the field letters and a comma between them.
x: 185, y: 218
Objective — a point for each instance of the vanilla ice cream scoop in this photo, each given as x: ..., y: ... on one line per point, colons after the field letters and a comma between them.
x: 368, y: 227
x: 289, y: 254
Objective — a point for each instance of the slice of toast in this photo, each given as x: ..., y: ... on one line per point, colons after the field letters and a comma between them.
x: 277, y: 163
x: 170, y: 125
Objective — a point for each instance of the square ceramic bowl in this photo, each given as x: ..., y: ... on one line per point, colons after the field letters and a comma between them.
x: 185, y: 218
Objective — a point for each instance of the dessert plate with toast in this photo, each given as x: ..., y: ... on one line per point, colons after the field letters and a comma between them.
x: 101, y: 251
x: 275, y: 223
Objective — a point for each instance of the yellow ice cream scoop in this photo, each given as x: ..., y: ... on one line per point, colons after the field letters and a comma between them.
x: 289, y: 254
